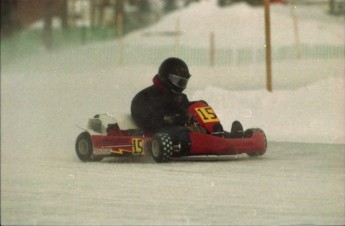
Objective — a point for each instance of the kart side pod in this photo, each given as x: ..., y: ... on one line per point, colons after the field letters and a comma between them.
x: 253, y: 143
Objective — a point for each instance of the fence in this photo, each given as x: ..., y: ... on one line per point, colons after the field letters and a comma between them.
x: 229, y: 56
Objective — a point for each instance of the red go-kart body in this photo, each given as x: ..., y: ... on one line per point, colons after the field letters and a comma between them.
x: 203, y: 144
x: 103, y: 138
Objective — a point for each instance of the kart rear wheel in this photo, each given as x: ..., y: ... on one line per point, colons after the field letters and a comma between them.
x: 84, y: 148
x: 162, y: 147
x: 249, y: 133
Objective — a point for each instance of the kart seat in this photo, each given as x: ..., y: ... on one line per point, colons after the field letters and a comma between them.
x: 125, y: 121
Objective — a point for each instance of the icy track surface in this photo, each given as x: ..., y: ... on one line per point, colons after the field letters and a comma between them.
x: 293, y: 184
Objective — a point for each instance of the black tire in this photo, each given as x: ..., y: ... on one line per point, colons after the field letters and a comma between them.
x: 84, y: 148
x: 162, y: 147
x: 249, y: 133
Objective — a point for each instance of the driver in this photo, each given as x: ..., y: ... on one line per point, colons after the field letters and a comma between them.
x: 163, y: 104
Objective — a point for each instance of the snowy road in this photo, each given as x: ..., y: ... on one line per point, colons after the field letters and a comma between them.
x: 292, y: 184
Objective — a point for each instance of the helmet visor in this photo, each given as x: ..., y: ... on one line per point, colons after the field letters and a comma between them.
x: 178, y: 81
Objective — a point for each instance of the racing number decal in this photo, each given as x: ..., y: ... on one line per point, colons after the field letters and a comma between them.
x: 207, y: 114
x: 138, y: 148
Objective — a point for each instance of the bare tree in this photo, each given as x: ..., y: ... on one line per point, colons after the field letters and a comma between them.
x: 9, y: 22
x: 170, y: 5
x: 331, y: 6
x: 119, y: 10
x: 47, y: 30
x: 64, y: 14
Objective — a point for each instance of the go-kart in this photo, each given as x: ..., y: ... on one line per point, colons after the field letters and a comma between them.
x: 103, y: 137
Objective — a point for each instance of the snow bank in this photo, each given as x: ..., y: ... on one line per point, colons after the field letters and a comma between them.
x: 312, y: 114
x: 240, y: 26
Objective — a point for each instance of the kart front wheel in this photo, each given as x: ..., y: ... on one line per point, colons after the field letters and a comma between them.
x: 162, y: 147
x: 84, y: 148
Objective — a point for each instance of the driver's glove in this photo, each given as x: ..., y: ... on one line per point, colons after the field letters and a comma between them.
x: 175, y: 119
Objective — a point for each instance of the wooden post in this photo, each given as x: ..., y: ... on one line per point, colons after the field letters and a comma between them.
x: 120, y: 37
x: 212, y: 49
x: 268, y: 46
x: 295, y: 29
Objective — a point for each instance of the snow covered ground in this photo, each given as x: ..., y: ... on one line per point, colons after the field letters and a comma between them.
x: 300, y: 180
x: 293, y: 184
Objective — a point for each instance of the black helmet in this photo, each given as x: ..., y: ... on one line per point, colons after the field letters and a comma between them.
x: 174, y: 74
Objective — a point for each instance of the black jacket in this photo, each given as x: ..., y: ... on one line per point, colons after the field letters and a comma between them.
x: 152, y: 107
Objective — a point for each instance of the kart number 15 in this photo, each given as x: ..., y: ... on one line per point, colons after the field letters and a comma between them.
x: 207, y: 114
x: 138, y: 148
